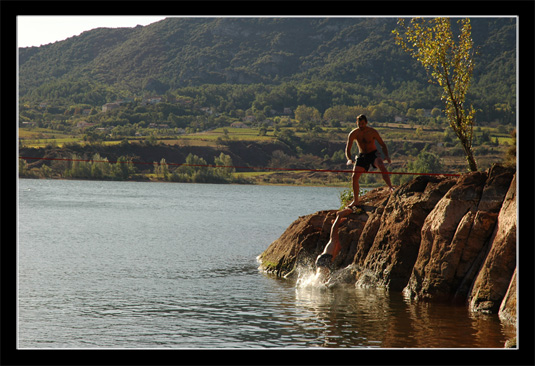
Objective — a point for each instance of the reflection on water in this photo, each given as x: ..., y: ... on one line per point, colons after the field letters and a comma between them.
x: 346, y: 316
x: 343, y: 317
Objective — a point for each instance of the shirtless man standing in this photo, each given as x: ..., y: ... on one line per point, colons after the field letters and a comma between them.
x: 365, y: 137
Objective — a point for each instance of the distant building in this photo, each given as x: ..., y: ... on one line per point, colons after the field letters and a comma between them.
x: 83, y: 125
x: 238, y: 125
x: 125, y: 100
x: 109, y: 107
x: 151, y: 100
x: 159, y: 125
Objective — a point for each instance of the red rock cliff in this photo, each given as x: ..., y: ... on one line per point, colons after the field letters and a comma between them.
x: 434, y: 238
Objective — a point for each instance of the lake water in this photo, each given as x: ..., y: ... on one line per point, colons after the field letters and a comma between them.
x: 170, y: 265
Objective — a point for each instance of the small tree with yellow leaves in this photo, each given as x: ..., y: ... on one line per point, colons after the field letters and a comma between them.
x: 450, y: 65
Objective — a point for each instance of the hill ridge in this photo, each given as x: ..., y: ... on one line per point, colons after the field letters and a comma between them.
x: 186, y: 52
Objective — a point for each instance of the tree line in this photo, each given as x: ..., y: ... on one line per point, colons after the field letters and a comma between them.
x: 76, y: 167
x: 195, y: 170
x: 312, y: 104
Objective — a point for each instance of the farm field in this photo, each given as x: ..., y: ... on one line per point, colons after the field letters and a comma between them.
x: 404, y: 141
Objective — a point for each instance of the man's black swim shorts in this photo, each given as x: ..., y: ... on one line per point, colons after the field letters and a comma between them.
x: 364, y: 160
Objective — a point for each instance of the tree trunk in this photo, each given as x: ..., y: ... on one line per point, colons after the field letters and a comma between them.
x: 467, y: 147
x: 472, y: 165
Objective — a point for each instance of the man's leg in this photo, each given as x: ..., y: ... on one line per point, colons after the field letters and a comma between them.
x: 386, y: 177
x: 334, y: 230
x: 357, y: 172
x: 334, y: 246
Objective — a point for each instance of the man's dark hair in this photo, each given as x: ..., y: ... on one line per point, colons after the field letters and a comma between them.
x: 362, y: 117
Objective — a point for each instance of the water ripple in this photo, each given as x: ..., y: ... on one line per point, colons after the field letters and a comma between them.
x: 137, y: 265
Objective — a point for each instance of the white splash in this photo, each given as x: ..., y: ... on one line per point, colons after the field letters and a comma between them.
x: 307, y: 277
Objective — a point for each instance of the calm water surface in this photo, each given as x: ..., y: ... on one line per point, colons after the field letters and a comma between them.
x: 169, y: 265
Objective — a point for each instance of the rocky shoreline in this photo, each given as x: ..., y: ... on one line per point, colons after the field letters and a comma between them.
x: 434, y: 239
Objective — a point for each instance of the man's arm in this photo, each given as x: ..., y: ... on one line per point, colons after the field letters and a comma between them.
x: 349, y: 144
x: 383, y: 147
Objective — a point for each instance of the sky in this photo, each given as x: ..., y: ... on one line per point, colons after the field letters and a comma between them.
x: 42, y: 30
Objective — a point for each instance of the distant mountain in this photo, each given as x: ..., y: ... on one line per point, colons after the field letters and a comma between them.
x: 182, y: 52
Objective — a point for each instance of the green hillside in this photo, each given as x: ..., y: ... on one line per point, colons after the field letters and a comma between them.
x: 350, y: 61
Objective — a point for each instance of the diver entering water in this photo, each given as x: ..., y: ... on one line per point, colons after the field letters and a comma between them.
x: 326, y: 258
